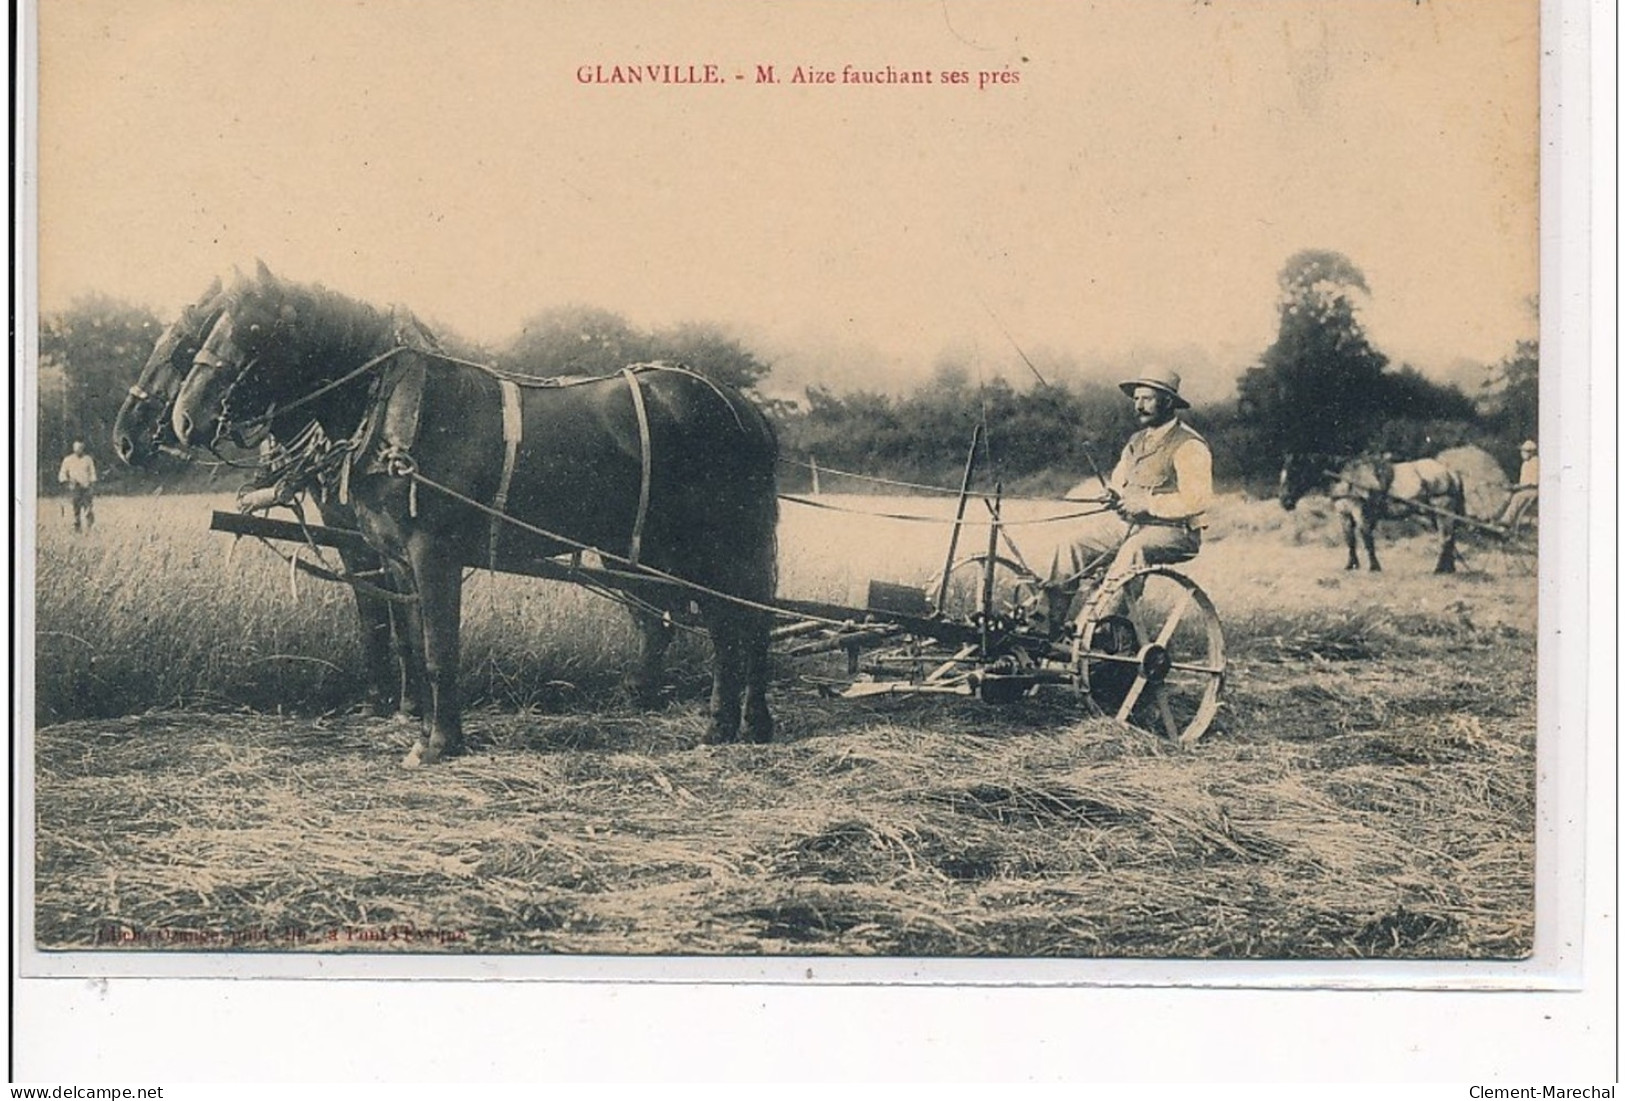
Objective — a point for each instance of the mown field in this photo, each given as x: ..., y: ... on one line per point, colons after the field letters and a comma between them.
x: 202, y: 778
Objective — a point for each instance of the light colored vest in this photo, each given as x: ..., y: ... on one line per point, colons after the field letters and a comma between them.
x: 1151, y: 466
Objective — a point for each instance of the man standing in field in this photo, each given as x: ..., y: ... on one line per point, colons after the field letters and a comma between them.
x: 1527, y: 489
x: 1161, y: 487
x: 78, y: 473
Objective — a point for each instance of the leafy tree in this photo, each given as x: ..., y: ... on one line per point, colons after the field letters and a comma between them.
x: 1422, y: 417
x: 1036, y: 438
x: 586, y: 340
x: 1319, y: 387
x: 90, y: 353
x: 575, y: 340
x: 705, y: 348
x: 1407, y: 393
x: 1513, y: 392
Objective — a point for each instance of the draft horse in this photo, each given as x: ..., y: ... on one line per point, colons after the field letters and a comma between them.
x: 448, y: 465
x: 144, y: 428
x: 1370, y: 488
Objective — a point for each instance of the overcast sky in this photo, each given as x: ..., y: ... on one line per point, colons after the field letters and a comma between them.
x: 1131, y: 198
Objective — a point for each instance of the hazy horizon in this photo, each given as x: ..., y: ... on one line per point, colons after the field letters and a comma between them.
x: 1129, y: 198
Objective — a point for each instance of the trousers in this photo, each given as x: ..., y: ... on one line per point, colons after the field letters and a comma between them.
x: 84, y: 503
x: 1517, y: 505
x: 1136, y: 547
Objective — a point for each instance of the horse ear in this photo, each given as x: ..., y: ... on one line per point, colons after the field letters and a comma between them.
x: 1055, y: 567
x: 264, y: 272
x: 214, y: 289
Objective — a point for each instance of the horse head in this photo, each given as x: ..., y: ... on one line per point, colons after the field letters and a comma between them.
x: 144, y: 425
x: 281, y: 346
x: 265, y: 349
x: 1299, y: 475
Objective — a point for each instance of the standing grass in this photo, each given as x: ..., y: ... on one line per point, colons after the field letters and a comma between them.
x: 154, y: 611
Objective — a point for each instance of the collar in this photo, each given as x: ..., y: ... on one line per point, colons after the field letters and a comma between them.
x: 1158, y: 434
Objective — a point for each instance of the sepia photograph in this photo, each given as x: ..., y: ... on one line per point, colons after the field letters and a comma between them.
x: 1015, y: 483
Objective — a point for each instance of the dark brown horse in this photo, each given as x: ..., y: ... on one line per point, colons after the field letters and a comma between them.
x: 1368, y: 488
x: 144, y: 428
x: 449, y: 465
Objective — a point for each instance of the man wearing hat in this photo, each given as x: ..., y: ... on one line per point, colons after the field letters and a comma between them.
x: 1161, y: 486
x: 1527, y: 489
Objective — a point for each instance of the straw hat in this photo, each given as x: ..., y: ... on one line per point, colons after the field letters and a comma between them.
x: 1158, y: 378
x: 1527, y: 447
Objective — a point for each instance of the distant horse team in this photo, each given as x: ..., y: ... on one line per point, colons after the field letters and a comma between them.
x: 443, y: 465
x: 1368, y: 488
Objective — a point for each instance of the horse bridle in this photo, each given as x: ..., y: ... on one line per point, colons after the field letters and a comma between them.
x: 206, y: 358
x: 195, y: 339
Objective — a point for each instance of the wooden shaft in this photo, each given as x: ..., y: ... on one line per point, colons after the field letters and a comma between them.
x: 990, y: 565
x: 959, y: 518
x: 240, y: 523
x: 1424, y: 506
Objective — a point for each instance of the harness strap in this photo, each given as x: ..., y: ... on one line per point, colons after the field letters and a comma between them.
x: 513, y: 428
x: 408, y: 469
x: 643, y: 484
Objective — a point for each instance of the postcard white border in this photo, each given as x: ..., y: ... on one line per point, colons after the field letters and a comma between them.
x: 1576, y: 929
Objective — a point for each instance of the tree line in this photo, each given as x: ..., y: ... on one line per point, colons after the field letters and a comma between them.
x: 1321, y: 387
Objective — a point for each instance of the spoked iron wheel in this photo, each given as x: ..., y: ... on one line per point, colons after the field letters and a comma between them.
x: 1151, y: 654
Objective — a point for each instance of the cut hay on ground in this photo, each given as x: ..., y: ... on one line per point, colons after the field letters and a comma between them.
x: 1381, y: 821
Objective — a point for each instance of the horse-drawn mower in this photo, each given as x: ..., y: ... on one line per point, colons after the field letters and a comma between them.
x: 1146, y: 650
x: 450, y: 465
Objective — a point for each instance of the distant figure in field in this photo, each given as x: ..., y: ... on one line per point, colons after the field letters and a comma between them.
x: 1161, y: 487
x: 1526, y: 491
x: 78, y: 473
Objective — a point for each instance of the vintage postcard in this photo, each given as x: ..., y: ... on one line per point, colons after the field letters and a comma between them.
x: 975, y: 492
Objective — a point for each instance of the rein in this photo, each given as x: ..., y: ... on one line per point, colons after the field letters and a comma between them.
x: 945, y: 491
x: 403, y: 465
x: 266, y: 418
x: 916, y: 518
